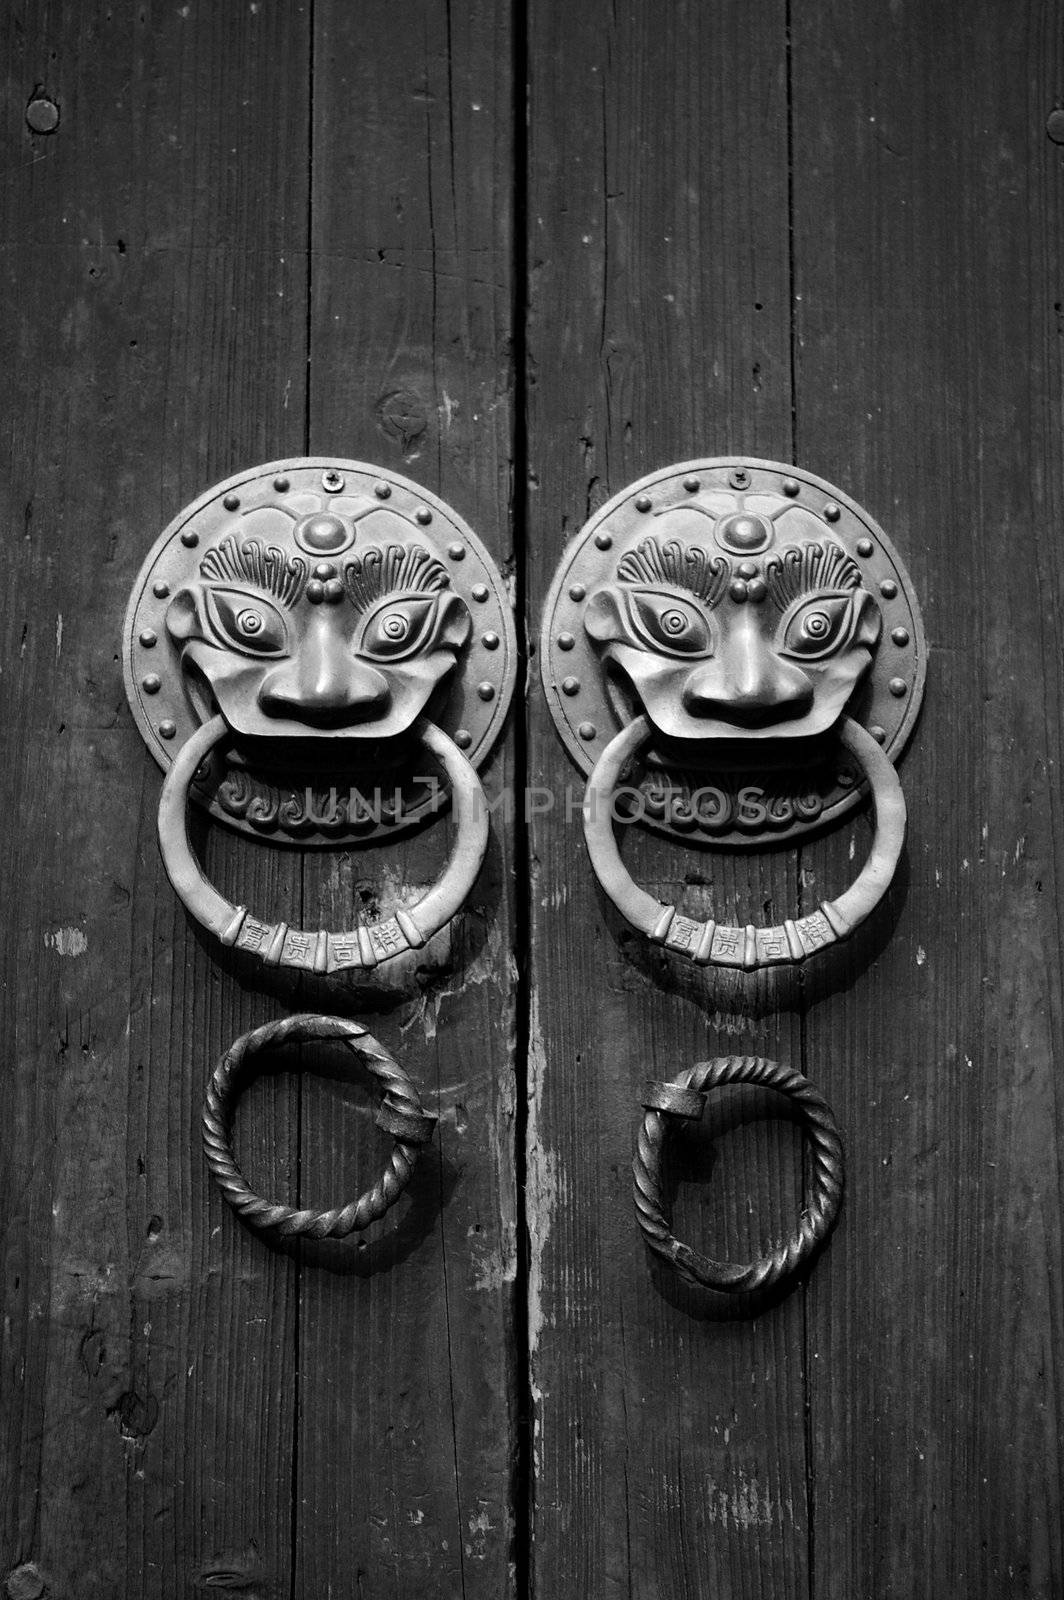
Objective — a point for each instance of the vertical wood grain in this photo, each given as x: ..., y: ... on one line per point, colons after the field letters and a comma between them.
x: 669, y: 1454
x: 406, y: 1357
x: 833, y: 233
x: 928, y: 210
x: 155, y: 260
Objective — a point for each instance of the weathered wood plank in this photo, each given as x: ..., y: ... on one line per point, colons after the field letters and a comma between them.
x: 407, y: 1363
x: 928, y: 212
x: 154, y: 247
x: 669, y: 1448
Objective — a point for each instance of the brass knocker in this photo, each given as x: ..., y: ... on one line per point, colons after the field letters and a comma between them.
x: 752, y: 634
x: 298, y: 641
x: 748, y: 634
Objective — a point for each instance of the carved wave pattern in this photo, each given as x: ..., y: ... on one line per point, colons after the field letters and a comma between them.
x: 333, y: 811
x: 733, y: 804
x: 679, y: 565
x: 235, y: 560
x: 392, y: 569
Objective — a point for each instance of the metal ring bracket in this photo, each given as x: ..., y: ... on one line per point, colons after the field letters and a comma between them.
x: 401, y: 1114
x: 684, y: 1097
x: 275, y: 943
x: 749, y: 947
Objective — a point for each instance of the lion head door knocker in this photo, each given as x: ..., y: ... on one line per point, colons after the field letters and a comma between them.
x: 750, y: 635
x: 753, y: 635
x: 302, y: 643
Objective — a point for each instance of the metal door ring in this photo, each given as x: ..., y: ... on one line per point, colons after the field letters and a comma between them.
x: 749, y: 947
x: 684, y: 1096
x: 401, y: 1114
x: 275, y: 943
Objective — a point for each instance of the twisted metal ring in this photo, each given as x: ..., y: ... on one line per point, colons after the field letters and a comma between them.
x: 275, y: 943
x: 685, y: 1096
x: 749, y: 947
x: 400, y: 1114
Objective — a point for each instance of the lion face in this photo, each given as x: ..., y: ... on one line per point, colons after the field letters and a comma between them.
x: 306, y: 622
x: 763, y: 634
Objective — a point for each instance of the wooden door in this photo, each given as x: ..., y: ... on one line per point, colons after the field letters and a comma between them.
x: 524, y: 255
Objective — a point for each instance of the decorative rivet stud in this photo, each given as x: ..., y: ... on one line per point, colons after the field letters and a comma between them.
x: 315, y: 591
x: 879, y: 734
x: 587, y: 730
x: 738, y: 590
x: 332, y: 481
x: 486, y: 690
x: 844, y: 779
x: 888, y: 588
x: 692, y: 484
x: 577, y: 591
x: 323, y: 533
x: 42, y: 115
x: 743, y: 532
x: 490, y: 641
x: 832, y: 512
x: 168, y: 728
x: 231, y: 502
x: 382, y: 490
x: 325, y: 569
x: 570, y: 686
x: 757, y: 590
x: 480, y: 592
x: 151, y: 683
x: 423, y: 515
x: 334, y: 591
x: 900, y: 636
x: 865, y: 547
x: 565, y: 641
x: 791, y: 487
x: 747, y: 569
x: 643, y: 502
x: 282, y: 485
x: 149, y: 638
x: 160, y: 589
x: 463, y: 738
x: 190, y: 538
x: 604, y: 540
x: 456, y: 551
x: 897, y: 687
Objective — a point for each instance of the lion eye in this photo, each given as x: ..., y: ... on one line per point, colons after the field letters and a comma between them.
x: 817, y: 627
x: 671, y: 623
x: 248, y: 622
x: 398, y: 627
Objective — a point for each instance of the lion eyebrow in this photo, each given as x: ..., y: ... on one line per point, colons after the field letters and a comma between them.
x: 683, y: 566
x: 268, y: 568
x: 805, y: 569
x: 390, y: 569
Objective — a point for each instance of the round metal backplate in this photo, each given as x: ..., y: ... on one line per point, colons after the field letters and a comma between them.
x: 739, y: 793
x: 363, y: 789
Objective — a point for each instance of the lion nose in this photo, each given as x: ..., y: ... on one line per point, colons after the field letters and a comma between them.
x: 324, y: 684
x: 748, y: 683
